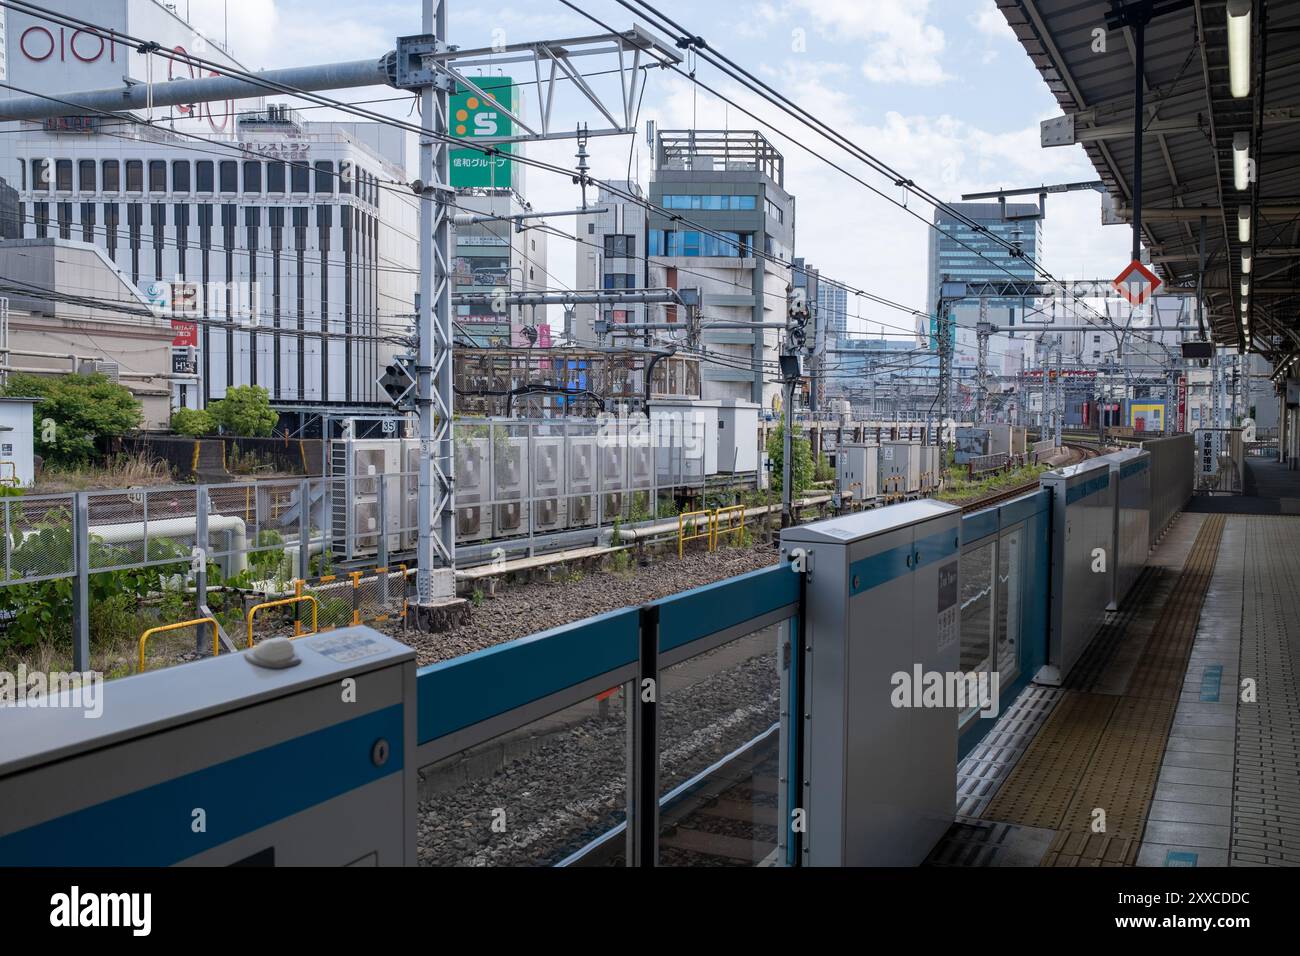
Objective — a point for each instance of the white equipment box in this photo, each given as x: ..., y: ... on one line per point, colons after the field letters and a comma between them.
x: 882, y: 607
x: 222, y: 761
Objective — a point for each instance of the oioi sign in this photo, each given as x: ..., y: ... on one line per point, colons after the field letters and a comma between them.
x: 474, y: 117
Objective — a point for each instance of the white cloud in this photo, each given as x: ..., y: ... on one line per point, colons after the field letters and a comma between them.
x: 900, y: 46
x: 989, y: 21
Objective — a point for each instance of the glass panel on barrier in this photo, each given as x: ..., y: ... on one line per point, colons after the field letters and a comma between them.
x: 532, y: 796
x: 719, y: 758
x: 976, y: 613
x: 1010, y: 582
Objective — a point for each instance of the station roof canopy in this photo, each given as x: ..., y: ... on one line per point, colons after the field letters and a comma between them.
x: 1192, y: 122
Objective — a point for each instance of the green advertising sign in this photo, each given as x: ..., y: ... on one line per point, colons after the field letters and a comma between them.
x: 473, y: 117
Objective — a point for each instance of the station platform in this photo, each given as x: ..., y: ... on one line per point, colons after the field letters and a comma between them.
x: 1175, y: 741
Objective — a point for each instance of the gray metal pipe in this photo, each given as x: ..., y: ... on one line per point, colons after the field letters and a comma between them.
x: 329, y: 76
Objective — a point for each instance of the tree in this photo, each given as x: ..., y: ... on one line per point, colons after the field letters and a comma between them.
x: 75, y: 410
x: 801, y: 469
x: 192, y: 422
x: 246, y: 410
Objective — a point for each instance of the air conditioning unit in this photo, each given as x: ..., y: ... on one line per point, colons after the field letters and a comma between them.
x: 548, y: 465
x: 507, y: 519
x: 641, y: 463
x: 471, y: 524
x: 582, y: 511
x: 582, y: 463
x: 548, y: 514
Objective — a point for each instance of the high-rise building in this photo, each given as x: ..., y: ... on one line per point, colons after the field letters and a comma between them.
x: 833, y: 310
x: 283, y: 250
x: 960, y: 252
x: 731, y: 183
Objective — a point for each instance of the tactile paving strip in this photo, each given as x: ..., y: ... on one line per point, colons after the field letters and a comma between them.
x: 1266, y: 771
x: 1071, y: 848
x: 1043, y: 783
x: 1103, y: 753
x: 1088, y: 671
x: 983, y: 771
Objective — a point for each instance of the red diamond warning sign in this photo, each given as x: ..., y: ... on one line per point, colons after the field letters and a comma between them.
x: 1137, y: 283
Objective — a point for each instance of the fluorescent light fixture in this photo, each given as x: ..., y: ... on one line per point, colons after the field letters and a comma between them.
x: 1239, y: 47
x: 1245, y: 260
x: 1245, y: 286
x: 1243, y: 223
x: 1241, y: 160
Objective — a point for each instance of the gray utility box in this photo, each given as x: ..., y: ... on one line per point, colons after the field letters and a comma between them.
x: 222, y: 761
x: 1130, y: 471
x: 900, y: 459
x: 882, y: 600
x: 930, y: 467
x: 856, y: 467
x: 1083, y: 526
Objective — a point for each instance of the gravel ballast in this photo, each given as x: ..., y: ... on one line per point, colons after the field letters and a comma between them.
x: 521, y: 609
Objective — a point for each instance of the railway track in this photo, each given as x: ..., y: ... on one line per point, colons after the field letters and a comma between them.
x: 1081, y: 451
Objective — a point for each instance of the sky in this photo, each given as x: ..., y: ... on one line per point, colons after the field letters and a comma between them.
x: 940, y: 90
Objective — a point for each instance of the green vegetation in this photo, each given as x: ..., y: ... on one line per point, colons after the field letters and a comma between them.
x: 801, y: 469
x: 43, y: 610
x: 960, y: 489
x: 74, y: 411
x: 193, y: 422
x: 246, y: 410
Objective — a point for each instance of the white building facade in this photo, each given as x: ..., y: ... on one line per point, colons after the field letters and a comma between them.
x: 284, y: 251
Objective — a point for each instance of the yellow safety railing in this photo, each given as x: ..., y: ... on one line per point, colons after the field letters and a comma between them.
x: 285, y: 602
x: 11, y: 478
x: 176, y: 627
x: 729, y: 515
x: 692, y: 526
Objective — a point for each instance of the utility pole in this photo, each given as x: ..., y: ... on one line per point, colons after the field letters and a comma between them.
x: 436, y: 532
x: 796, y: 332
x: 945, y: 363
x: 983, y: 330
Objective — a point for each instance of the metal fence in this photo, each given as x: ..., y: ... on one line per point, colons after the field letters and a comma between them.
x: 192, y: 551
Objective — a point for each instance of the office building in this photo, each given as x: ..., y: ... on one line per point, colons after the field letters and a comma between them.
x: 727, y: 228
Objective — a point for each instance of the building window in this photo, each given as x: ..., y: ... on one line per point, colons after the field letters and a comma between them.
x: 86, y: 176
x: 711, y: 203
x: 275, y: 177
x: 324, y: 176
x: 620, y: 280
x: 229, y: 176
x: 620, y: 247
x: 134, y: 176
x: 112, y: 176
x: 41, y: 175
x: 181, y: 176
x: 63, y: 175
x: 41, y: 212
x: 157, y: 176
x: 591, y: 228
x: 252, y: 177
x: 775, y: 212
x: 300, y: 177
x: 88, y: 218
x: 203, y: 179
x: 672, y: 242
x: 65, y: 217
